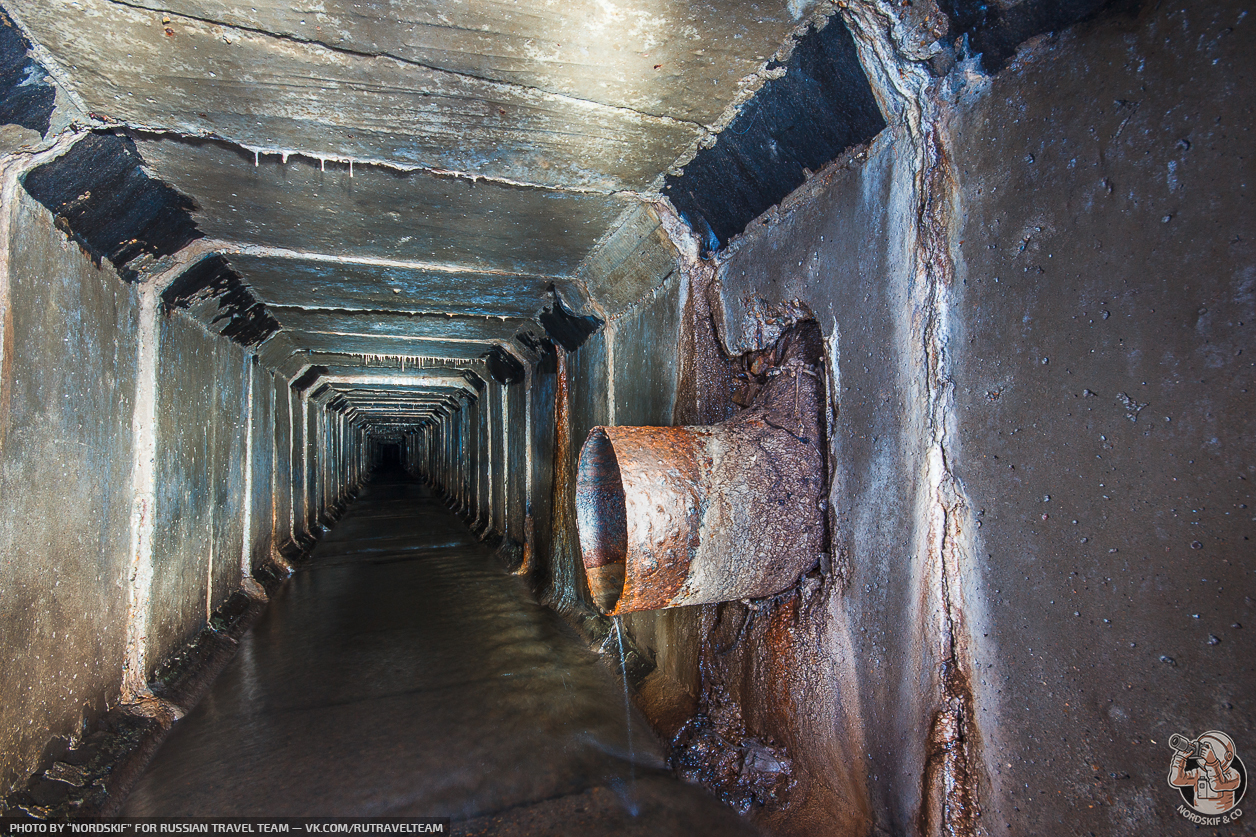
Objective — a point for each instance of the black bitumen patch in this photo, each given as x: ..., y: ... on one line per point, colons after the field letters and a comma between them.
x: 503, y: 366
x: 309, y: 377
x: 995, y: 32
x: 544, y: 349
x: 99, y: 193
x: 565, y: 328
x: 27, y: 97
x: 530, y: 340
x: 795, y: 124
x: 245, y: 319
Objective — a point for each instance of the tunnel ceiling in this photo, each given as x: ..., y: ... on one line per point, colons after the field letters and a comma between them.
x: 406, y: 180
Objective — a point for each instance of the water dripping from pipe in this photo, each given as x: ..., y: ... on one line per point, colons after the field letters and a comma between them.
x: 630, y: 798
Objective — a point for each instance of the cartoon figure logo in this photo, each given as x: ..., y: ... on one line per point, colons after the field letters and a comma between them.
x: 1209, y: 775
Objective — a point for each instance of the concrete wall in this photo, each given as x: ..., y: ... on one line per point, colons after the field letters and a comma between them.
x: 1105, y: 299
x: 311, y: 459
x: 482, y: 416
x: 260, y: 459
x: 197, y: 538
x: 645, y: 356
x: 517, y: 482
x: 301, y: 466
x: 281, y: 483
x: 541, y: 402
x: 581, y: 404
x: 867, y: 661
x: 499, y: 481
x: 67, y: 388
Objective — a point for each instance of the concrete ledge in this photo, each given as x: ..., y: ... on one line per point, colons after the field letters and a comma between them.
x: 510, y: 551
x: 93, y: 779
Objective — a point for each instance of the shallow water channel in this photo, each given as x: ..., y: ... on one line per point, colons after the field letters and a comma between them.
x: 403, y: 671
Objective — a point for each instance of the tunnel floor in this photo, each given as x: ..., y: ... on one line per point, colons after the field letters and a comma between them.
x: 402, y: 671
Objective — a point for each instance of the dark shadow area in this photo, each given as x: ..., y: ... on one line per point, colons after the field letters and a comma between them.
x: 565, y: 328
x: 388, y: 466
x: 27, y: 98
x: 995, y: 31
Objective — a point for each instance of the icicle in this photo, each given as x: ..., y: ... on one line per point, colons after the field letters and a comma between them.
x: 351, y: 168
x: 322, y: 164
x: 283, y: 155
x: 256, y: 158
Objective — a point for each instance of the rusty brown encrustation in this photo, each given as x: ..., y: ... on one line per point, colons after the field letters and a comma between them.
x: 672, y: 516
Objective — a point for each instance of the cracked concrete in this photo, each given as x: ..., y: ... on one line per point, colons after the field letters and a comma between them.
x: 521, y: 88
x: 608, y: 57
x: 337, y: 105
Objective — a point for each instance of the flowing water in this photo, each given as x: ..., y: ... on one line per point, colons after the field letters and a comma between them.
x: 631, y: 804
x: 403, y: 671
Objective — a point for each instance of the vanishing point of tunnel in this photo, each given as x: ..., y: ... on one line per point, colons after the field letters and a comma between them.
x: 816, y: 418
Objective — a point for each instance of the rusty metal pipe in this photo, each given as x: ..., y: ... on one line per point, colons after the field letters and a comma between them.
x: 672, y: 516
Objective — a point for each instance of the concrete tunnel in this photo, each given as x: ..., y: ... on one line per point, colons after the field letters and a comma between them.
x: 912, y: 343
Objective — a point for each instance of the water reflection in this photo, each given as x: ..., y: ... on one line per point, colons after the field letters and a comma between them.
x: 403, y: 671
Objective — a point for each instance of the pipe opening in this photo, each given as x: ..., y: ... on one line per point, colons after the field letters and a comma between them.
x: 602, y: 520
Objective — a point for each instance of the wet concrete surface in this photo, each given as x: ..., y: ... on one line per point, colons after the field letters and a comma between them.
x: 403, y: 671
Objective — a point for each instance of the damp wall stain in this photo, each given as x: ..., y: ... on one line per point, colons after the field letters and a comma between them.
x: 841, y: 251
x: 64, y: 490
x: 200, y: 481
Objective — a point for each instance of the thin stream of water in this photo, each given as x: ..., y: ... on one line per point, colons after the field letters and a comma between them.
x: 632, y: 756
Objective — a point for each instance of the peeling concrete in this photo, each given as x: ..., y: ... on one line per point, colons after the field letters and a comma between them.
x: 28, y: 99
x: 819, y: 105
x: 130, y: 215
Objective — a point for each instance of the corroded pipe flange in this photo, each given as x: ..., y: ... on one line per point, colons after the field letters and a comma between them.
x: 673, y: 516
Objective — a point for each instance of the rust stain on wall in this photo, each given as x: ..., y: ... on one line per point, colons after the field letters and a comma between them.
x: 949, y: 803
